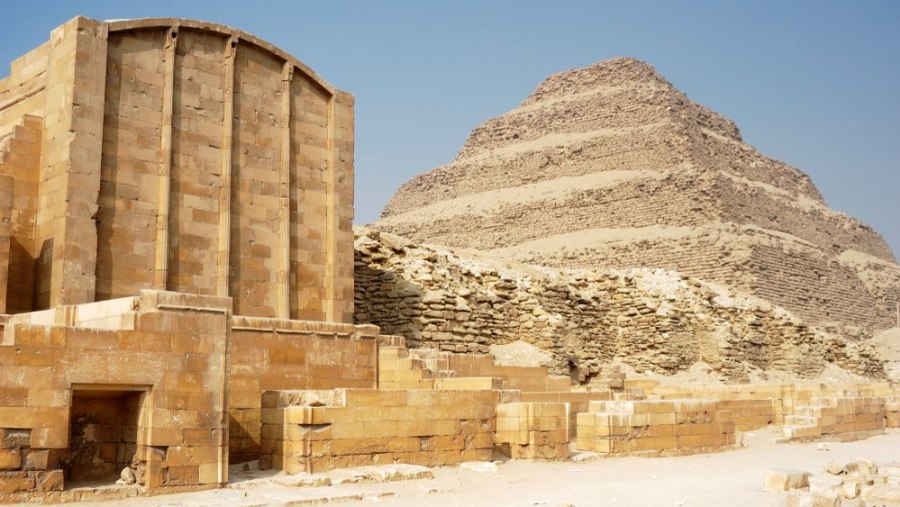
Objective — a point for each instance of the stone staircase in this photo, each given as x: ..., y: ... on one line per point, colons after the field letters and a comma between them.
x: 401, y: 368
x: 19, y: 136
x: 840, y: 418
x: 426, y: 368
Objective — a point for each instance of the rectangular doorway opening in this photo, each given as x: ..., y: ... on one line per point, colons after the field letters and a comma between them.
x: 103, y: 434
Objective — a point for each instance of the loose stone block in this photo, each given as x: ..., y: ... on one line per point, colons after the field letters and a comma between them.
x: 783, y: 479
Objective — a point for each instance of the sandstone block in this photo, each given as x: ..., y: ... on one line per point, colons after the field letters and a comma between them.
x: 10, y: 459
x: 782, y: 479
x: 15, y: 482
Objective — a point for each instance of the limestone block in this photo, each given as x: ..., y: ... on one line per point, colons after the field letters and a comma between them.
x: 10, y: 439
x: 10, y: 459
x: 783, y: 479
x: 882, y: 495
x: 849, y: 489
x: 15, y: 482
x: 51, y: 480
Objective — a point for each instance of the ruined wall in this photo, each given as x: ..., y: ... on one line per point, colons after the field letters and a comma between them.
x: 655, y: 428
x: 170, y: 348
x: 846, y: 296
x: 201, y: 160
x: 650, y: 319
x: 269, y: 354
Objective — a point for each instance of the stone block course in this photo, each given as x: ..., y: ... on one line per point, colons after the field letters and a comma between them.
x: 649, y: 427
x: 313, y: 431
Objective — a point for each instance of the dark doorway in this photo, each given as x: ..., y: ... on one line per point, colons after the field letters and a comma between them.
x: 103, y: 435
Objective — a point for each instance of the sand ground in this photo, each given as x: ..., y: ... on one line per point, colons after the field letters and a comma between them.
x: 732, y: 479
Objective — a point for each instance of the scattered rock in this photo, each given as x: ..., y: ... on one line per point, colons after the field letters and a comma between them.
x: 127, y: 476
x: 860, y: 466
x: 835, y: 468
x: 784, y: 479
x: 849, y: 489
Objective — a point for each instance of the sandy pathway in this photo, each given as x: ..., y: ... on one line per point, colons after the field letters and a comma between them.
x: 732, y: 479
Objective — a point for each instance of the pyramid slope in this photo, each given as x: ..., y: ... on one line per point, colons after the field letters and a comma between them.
x: 598, y: 162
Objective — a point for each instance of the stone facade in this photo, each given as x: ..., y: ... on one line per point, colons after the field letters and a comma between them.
x: 176, y: 155
x: 142, y: 383
x: 609, y: 166
x: 314, y: 431
x: 176, y: 206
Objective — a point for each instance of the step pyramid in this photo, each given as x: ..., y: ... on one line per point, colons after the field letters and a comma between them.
x: 610, y: 166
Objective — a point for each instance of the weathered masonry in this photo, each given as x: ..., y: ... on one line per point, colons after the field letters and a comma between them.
x: 176, y: 201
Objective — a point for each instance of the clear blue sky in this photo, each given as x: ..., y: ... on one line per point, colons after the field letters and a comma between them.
x: 813, y: 83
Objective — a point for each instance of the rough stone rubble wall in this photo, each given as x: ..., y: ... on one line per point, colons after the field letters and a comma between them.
x: 817, y: 287
x: 649, y: 319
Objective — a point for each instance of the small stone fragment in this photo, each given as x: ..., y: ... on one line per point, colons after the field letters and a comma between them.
x: 849, y: 489
x: 835, y: 468
x: 860, y: 466
x: 127, y: 476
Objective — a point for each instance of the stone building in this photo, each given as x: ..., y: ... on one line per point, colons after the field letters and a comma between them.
x: 177, y: 205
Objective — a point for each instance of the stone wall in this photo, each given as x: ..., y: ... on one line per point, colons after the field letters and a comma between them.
x: 177, y: 155
x: 169, y: 356
x: 855, y: 298
x: 533, y: 430
x: 20, y: 161
x: 650, y: 319
x: 654, y: 428
x: 22, y: 91
x: 315, y: 431
x: 166, y: 384
x: 628, y: 199
x: 847, y: 418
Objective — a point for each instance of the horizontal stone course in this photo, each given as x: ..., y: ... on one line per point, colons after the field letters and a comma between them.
x: 315, y: 431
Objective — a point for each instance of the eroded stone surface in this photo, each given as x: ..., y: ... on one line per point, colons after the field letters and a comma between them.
x: 650, y: 319
x: 610, y: 166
